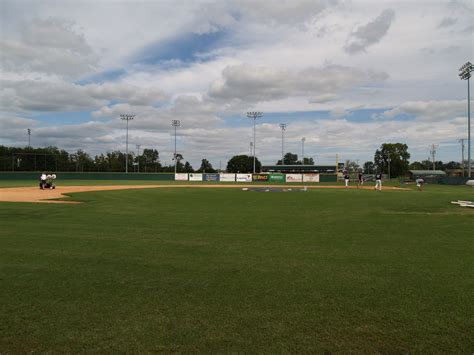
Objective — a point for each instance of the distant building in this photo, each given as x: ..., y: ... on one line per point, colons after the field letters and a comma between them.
x: 324, y: 169
x: 427, y: 174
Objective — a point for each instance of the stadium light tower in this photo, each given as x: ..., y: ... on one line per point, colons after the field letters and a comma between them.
x: 175, y: 124
x: 251, y: 148
x: 302, y: 150
x: 126, y: 118
x: 283, y: 128
x: 138, y: 157
x: 465, y: 74
x: 29, y: 137
x: 461, y: 140
x: 254, y: 115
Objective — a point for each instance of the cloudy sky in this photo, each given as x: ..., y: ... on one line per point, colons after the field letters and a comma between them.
x: 346, y: 75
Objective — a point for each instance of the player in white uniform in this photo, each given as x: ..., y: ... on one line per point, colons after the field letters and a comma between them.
x: 378, y: 181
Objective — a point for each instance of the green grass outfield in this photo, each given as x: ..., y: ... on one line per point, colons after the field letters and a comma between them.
x: 219, y: 270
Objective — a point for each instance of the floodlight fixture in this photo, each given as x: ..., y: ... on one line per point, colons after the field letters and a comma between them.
x: 127, y: 118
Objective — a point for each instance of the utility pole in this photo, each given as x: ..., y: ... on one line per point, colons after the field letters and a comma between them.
x: 433, y: 154
x: 462, y: 154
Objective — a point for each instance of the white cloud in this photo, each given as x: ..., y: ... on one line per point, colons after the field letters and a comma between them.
x: 370, y: 33
x: 48, y: 46
x: 45, y: 96
x: 433, y: 111
x: 255, y: 84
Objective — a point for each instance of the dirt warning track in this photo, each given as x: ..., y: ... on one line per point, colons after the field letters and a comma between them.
x: 34, y: 194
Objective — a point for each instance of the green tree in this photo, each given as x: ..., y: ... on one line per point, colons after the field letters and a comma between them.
x: 289, y: 159
x: 81, y: 161
x: 369, y: 167
x: 206, y: 167
x: 398, y: 155
x: 243, y: 164
x: 188, y: 168
x: 351, y: 166
x: 416, y: 165
x: 150, y: 160
x: 452, y: 165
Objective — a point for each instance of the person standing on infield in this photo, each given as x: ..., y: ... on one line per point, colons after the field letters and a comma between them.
x: 419, y: 183
x: 346, y: 179
x: 378, y: 181
x: 361, y: 179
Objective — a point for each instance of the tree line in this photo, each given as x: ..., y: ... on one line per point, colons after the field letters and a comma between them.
x: 55, y: 159
x: 390, y: 157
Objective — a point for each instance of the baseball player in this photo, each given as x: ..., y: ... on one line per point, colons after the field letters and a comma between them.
x: 419, y: 183
x: 360, y: 177
x: 42, y: 181
x: 346, y: 179
x: 378, y: 181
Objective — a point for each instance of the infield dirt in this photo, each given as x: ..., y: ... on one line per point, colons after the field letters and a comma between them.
x: 34, y: 194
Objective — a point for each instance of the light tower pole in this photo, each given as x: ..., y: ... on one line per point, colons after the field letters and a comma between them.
x: 251, y: 148
x: 138, y: 157
x: 126, y: 118
x: 461, y: 140
x: 29, y: 137
x: 254, y: 115
x: 465, y: 74
x: 283, y: 128
x: 175, y: 124
x: 433, y: 154
x: 302, y: 150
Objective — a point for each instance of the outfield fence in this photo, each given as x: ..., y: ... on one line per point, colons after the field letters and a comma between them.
x: 212, y: 177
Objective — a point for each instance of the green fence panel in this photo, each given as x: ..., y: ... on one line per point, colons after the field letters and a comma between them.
x: 328, y: 178
x: 277, y: 178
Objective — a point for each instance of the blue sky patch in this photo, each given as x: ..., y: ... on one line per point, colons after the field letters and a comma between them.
x: 184, y: 49
x: 102, y: 77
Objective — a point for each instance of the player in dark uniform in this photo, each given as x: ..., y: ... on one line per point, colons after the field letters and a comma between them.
x: 360, y: 177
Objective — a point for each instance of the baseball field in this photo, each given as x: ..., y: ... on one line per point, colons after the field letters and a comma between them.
x: 193, y: 269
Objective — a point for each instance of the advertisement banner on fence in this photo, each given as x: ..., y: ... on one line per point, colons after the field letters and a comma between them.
x: 310, y: 177
x: 260, y: 177
x: 181, y: 177
x: 210, y: 177
x: 276, y: 178
x: 227, y: 177
x: 294, y: 177
x: 195, y: 177
x: 243, y: 177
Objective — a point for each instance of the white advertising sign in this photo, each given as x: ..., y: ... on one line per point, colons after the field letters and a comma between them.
x: 294, y: 177
x: 243, y: 177
x: 227, y: 177
x: 181, y: 177
x: 195, y: 177
x: 311, y: 177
